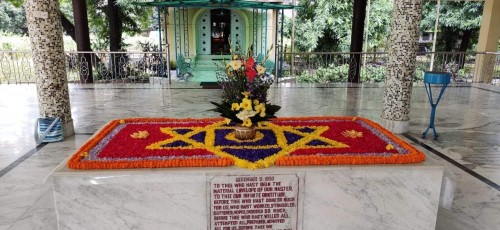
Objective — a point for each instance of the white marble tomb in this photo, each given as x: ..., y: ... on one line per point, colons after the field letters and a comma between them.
x: 328, y: 197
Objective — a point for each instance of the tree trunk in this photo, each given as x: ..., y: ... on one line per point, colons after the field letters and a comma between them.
x: 464, y: 45
x: 115, y: 26
x: 466, y: 36
x: 83, y: 40
x: 118, y: 61
x: 358, y: 26
x: 68, y: 27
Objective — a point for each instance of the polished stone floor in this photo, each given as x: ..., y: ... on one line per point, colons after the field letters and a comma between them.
x: 468, y: 120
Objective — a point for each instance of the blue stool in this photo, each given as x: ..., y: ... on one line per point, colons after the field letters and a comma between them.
x: 435, y: 78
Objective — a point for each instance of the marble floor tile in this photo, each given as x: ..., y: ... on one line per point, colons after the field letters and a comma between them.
x: 475, y: 204
x: 41, y: 215
x: 467, y: 119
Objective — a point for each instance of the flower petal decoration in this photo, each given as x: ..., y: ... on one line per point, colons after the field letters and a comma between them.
x: 140, y: 134
x: 207, y: 143
x: 352, y: 133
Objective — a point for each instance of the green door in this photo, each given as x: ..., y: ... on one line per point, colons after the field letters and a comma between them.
x: 203, y: 42
x: 237, y: 31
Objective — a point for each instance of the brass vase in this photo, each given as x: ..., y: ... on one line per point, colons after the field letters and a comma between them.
x: 244, y: 133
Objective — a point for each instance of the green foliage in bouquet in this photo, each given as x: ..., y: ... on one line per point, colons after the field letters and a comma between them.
x: 244, y: 89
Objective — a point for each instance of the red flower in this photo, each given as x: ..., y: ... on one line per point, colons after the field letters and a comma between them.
x: 250, y: 69
x: 250, y: 63
x: 251, y: 73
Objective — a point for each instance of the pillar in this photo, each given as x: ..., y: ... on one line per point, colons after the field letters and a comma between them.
x: 45, y: 31
x: 402, y: 53
x: 488, y: 42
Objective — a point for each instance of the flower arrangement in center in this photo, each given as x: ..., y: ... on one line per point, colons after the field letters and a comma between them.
x: 244, y: 90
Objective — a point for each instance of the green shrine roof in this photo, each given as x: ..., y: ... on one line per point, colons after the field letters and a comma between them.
x: 216, y: 4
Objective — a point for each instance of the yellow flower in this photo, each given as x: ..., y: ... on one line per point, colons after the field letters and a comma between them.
x: 263, y: 113
x: 140, y: 135
x: 389, y: 147
x: 235, y: 106
x: 256, y: 102
x: 235, y: 64
x: 247, y: 122
x: 246, y: 94
x: 352, y: 133
x: 227, y: 120
x: 246, y: 104
x: 235, y: 57
x: 260, y: 69
x: 245, y: 114
x: 260, y: 107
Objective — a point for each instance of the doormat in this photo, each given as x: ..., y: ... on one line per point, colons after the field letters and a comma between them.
x: 210, y: 85
x: 293, y: 141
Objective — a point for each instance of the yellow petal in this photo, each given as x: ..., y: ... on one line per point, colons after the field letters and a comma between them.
x: 246, y: 94
x: 389, y: 147
x: 260, y: 69
x: 235, y: 106
x: 246, y: 104
x: 247, y: 122
x: 85, y: 155
x: 140, y: 134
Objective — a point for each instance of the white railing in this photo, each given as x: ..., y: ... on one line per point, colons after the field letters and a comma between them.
x: 90, y: 67
x: 315, y: 67
x: 324, y: 67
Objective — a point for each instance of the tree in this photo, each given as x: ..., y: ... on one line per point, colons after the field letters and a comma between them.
x: 325, y: 25
x: 379, y: 27
x: 459, y: 24
x: 12, y: 19
x: 109, y: 19
x: 67, y: 25
x: 133, y: 19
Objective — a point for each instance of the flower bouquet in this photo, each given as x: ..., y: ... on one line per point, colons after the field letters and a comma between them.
x: 244, y: 93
